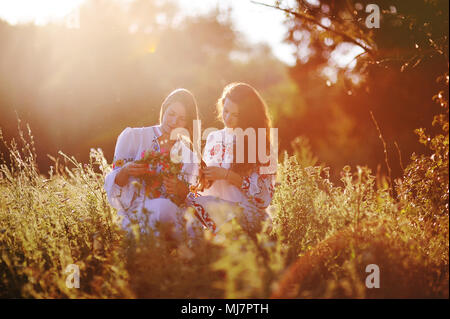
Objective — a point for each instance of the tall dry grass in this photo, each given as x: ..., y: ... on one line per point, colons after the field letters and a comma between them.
x: 323, y: 236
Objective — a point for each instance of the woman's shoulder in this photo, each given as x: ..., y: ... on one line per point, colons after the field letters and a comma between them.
x: 136, y: 131
x: 125, y: 133
x: 215, y: 134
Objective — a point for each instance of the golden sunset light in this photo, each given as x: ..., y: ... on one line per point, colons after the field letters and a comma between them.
x: 230, y: 156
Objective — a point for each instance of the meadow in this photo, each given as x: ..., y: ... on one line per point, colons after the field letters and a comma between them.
x: 323, y: 235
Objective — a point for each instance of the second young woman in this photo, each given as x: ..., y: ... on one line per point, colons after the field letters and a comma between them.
x: 247, y: 183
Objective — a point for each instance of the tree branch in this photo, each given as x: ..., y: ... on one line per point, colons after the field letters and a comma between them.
x: 308, y: 18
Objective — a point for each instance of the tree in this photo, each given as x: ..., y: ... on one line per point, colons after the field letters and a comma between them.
x: 344, y: 70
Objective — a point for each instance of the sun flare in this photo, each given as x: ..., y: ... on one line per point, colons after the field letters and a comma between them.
x: 39, y: 12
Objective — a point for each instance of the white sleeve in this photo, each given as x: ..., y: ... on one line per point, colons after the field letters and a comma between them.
x: 213, y: 149
x: 126, y: 148
x: 191, y: 165
x: 259, y: 188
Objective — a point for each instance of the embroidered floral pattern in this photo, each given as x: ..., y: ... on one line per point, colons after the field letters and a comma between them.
x: 199, y: 211
x: 155, y: 146
x: 215, y: 150
x: 245, y: 183
x: 256, y: 189
x: 118, y: 163
x: 193, y: 193
x: 121, y: 162
x: 259, y: 189
x: 204, y: 217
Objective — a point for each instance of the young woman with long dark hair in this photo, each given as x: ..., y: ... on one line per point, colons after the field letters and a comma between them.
x: 153, y: 201
x: 234, y: 174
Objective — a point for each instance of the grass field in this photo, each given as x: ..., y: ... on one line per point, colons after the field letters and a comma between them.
x: 323, y: 236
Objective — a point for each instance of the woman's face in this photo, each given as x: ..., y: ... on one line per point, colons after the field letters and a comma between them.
x: 230, y: 113
x: 174, y: 117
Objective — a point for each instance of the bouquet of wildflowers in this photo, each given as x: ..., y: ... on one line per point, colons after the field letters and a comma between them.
x: 160, y: 165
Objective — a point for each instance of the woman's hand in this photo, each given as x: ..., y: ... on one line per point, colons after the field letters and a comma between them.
x: 203, y: 183
x: 174, y: 186
x: 214, y: 173
x: 130, y: 169
x: 135, y: 169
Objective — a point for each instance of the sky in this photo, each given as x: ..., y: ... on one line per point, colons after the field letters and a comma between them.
x: 252, y: 21
x: 249, y: 19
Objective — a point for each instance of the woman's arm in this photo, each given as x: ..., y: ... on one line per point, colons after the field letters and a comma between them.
x: 175, y: 186
x: 119, y: 195
x: 118, y: 189
x: 233, y: 178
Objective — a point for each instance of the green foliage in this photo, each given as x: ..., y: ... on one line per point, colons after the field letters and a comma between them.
x: 47, y: 224
x: 338, y: 231
x: 303, y: 152
x: 330, y: 234
x: 310, y: 208
x: 322, y: 237
x: 425, y: 188
x: 347, y: 70
x: 325, y: 231
x: 160, y: 269
x: 410, y: 266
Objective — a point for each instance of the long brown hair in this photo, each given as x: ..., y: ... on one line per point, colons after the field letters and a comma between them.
x: 253, y: 113
x: 188, y: 100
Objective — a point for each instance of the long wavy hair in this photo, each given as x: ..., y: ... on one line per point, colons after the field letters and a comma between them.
x: 253, y: 113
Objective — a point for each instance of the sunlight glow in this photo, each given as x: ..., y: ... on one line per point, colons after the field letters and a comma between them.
x: 250, y: 19
x: 40, y: 12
